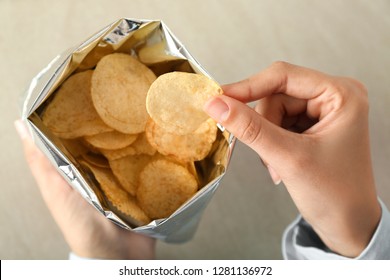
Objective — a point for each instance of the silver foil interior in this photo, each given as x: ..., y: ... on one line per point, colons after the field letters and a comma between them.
x: 153, y: 44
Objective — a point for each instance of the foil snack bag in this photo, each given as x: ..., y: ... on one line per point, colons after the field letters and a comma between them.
x: 153, y: 44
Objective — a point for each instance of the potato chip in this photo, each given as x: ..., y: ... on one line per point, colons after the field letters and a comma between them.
x: 89, y: 147
x: 125, y: 203
x: 75, y: 147
x: 127, y: 170
x: 189, y: 165
x: 71, y: 113
x: 192, y: 169
x: 119, y: 87
x: 175, y: 101
x: 190, y: 147
x: 120, y: 153
x: 140, y: 146
x: 143, y: 146
x: 163, y: 187
x: 96, y: 159
x: 111, y: 140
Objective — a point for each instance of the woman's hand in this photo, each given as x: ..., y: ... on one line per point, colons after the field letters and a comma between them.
x: 311, y: 131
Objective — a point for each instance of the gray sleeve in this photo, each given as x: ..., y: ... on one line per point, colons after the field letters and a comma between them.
x: 300, y: 242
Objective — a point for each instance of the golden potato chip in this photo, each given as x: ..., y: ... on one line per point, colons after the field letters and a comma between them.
x: 119, y: 87
x: 175, y: 101
x: 111, y: 140
x: 163, y: 187
x: 189, y: 147
x: 75, y: 147
x: 143, y: 146
x: 125, y: 203
x: 189, y: 165
x: 192, y: 169
x: 140, y: 146
x: 120, y: 153
x: 89, y: 146
x: 96, y: 159
x: 71, y: 113
x: 127, y: 170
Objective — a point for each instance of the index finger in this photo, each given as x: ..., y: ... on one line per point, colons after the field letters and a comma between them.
x: 280, y: 77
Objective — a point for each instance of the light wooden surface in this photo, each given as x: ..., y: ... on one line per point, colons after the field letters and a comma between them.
x: 231, y: 39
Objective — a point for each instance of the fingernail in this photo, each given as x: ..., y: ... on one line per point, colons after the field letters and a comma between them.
x: 274, y: 176
x: 217, y: 109
x: 21, y: 129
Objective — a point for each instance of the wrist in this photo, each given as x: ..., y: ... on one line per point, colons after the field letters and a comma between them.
x: 350, y: 235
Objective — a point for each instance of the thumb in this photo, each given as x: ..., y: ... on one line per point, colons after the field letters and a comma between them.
x: 273, y: 143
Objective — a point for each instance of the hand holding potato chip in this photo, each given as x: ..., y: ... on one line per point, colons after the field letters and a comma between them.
x: 311, y: 130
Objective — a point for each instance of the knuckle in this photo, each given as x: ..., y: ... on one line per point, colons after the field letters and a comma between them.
x: 250, y: 82
x: 280, y: 69
x: 280, y: 65
x: 358, y: 85
x: 345, y: 91
x: 250, y: 133
x: 364, y: 102
x: 359, y: 91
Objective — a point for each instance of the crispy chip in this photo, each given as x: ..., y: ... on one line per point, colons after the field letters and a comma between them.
x: 163, y: 187
x: 140, y: 146
x: 175, y: 101
x: 190, y: 147
x: 71, y: 113
x: 189, y: 165
x: 127, y: 170
x: 75, y: 147
x: 89, y: 147
x: 192, y: 169
x: 96, y: 159
x: 111, y: 140
x: 125, y: 203
x: 119, y: 87
x: 120, y: 153
x: 143, y: 146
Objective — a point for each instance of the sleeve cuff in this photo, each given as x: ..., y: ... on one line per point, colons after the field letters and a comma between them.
x: 300, y: 242
x: 74, y: 257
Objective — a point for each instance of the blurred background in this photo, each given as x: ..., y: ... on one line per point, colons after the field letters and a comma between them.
x: 232, y: 39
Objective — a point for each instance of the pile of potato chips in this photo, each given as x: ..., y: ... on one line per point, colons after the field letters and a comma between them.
x: 138, y: 135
